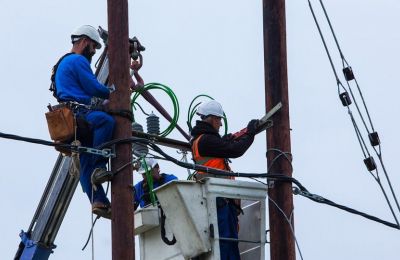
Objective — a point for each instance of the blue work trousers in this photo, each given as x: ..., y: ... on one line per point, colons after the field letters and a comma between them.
x: 228, y: 228
x: 101, y: 127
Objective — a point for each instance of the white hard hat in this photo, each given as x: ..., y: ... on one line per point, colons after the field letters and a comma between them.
x: 211, y: 107
x: 150, y: 165
x: 88, y: 31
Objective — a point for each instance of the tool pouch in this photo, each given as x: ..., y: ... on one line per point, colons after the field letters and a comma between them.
x: 60, y: 121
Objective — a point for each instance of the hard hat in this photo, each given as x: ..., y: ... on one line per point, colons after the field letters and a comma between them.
x: 150, y: 165
x: 88, y: 31
x: 211, y: 107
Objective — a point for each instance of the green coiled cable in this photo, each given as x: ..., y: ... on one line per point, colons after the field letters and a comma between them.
x: 171, y: 94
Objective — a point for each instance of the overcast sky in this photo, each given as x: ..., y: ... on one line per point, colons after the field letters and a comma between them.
x: 216, y: 48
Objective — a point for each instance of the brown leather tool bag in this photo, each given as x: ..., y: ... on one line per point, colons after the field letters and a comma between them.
x: 61, y: 123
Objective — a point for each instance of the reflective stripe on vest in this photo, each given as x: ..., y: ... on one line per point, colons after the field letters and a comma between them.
x: 212, y: 162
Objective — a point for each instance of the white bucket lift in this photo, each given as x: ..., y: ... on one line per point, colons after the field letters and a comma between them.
x: 147, y: 226
x: 191, y: 215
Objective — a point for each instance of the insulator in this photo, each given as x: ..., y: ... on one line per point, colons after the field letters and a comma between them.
x: 348, y: 73
x: 370, y: 163
x: 345, y: 98
x: 140, y: 150
x: 374, y: 138
x: 153, y: 124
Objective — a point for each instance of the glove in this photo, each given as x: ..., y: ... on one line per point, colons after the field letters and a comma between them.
x: 228, y: 137
x: 252, y: 126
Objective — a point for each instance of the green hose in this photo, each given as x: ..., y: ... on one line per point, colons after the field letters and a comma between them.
x: 192, y: 112
x: 149, y: 179
x: 171, y: 94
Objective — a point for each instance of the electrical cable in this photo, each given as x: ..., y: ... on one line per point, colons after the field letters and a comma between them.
x: 289, y: 221
x: 97, y: 217
x: 300, y: 189
x: 38, y: 141
x: 136, y: 103
x: 281, y: 153
x: 322, y: 200
x: 90, y: 233
x: 350, y: 76
x: 338, y: 82
x: 344, y: 62
x: 171, y: 94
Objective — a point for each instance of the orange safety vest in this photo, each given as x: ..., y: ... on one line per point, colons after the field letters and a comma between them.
x: 212, y: 162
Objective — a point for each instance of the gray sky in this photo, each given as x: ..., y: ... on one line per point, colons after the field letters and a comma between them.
x: 215, y: 47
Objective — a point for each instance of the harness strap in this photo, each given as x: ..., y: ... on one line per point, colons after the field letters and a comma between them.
x: 53, y: 87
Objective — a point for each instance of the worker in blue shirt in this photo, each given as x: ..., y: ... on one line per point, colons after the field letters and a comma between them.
x: 75, y: 82
x: 141, y: 189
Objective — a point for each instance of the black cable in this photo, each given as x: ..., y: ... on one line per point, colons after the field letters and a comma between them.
x: 141, y: 108
x: 322, y: 200
x: 163, y: 236
x: 197, y: 167
x: 277, y: 177
x: 358, y: 133
x: 338, y: 82
x: 90, y: 233
x: 360, y: 139
x: 344, y: 61
x: 388, y: 180
x: 301, y: 190
x: 323, y: 41
x: 38, y: 141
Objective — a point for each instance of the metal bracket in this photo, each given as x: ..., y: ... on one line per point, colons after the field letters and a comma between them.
x: 104, y: 152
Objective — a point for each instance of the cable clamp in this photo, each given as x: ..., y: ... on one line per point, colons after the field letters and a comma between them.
x: 107, y: 153
x: 297, y: 191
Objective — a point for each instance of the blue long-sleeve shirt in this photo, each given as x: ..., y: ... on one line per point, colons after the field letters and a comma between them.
x: 75, y: 81
x: 140, y: 192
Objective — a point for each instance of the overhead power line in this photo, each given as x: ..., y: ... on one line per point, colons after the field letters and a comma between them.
x: 300, y: 189
x: 347, y: 100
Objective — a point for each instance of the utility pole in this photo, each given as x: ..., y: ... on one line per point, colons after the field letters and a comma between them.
x: 278, y: 137
x: 123, y: 246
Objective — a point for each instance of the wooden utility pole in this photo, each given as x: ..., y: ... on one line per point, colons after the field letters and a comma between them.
x: 123, y: 246
x: 278, y: 137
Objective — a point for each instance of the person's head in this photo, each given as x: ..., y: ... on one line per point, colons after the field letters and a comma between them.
x: 85, y: 40
x: 212, y: 113
x: 152, y: 167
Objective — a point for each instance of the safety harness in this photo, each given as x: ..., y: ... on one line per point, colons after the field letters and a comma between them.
x: 53, y: 87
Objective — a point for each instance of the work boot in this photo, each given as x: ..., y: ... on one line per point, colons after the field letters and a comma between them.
x: 101, y: 175
x: 101, y: 209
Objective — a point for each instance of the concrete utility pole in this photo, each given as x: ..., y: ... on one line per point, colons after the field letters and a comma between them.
x: 123, y: 246
x: 278, y: 137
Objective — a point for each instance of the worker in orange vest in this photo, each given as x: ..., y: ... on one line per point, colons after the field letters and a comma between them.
x: 211, y: 150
